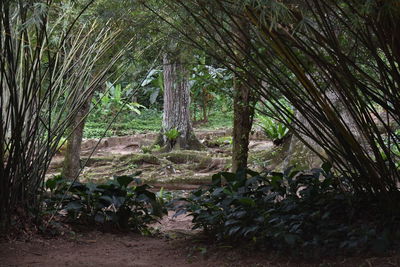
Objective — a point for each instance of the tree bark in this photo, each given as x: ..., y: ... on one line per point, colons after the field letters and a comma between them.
x: 243, y: 103
x: 72, y: 154
x: 176, y: 106
x: 205, y: 106
x: 242, y: 124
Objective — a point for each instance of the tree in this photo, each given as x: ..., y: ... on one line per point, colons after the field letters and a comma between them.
x: 306, y: 51
x: 243, y: 100
x: 72, y: 164
x: 107, y: 12
x: 224, y: 37
x: 177, y: 129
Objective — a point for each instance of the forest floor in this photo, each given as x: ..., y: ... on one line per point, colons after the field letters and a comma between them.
x: 127, y: 155
x: 173, y: 243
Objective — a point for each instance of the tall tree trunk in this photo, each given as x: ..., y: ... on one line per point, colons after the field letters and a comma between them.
x: 242, y: 122
x: 72, y: 154
x: 205, y: 106
x: 176, y: 106
x: 243, y: 103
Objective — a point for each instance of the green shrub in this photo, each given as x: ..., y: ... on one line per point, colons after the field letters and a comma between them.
x: 114, y: 204
x: 305, y: 210
x: 114, y: 100
x: 272, y: 128
x: 172, y: 134
x: 167, y: 198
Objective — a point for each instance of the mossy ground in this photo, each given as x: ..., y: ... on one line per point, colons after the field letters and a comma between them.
x: 178, y: 168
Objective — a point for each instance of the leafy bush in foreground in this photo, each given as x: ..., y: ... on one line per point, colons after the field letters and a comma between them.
x: 114, y: 204
x: 303, y: 210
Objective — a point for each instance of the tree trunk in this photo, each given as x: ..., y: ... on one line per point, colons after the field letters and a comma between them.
x: 205, y: 100
x: 72, y: 154
x: 242, y: 123
x: 243, y: 104
x: 176, y: 106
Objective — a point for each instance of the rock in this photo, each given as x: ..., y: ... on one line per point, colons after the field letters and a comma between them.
x: 300, y: 155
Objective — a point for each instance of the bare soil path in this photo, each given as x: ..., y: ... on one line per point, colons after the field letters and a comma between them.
x: 99, y: 249
x: 127, y: 249
x: 175, y: 244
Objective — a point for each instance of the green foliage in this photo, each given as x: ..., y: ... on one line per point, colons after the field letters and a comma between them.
x: 217, y: 120
x: 210, y: 87
x: 272, y: 128
x: 172, y: 134
x: 167, y: 198
x: 153, y: 86
x: 129, y: 123
x: 114, y: 204
x: 114, y: 100
x: 302, y: 210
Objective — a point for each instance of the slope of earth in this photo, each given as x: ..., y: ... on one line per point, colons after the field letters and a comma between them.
x: 174, y: 170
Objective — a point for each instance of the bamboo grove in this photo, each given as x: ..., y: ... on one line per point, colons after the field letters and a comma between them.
x: 47, y: 71
x: 336, y: 62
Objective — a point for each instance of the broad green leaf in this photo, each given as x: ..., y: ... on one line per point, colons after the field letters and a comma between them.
x: 51, y: 184
x: 124, y: 180
x: 247, y: 201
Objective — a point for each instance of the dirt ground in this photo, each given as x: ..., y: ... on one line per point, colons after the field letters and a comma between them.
x: 125, y: 155
x: 175, y: 243
x: 99, y: 249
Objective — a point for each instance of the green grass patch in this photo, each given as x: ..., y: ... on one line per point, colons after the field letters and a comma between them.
x: 128, y: 123
x: 217, y: 120
x: 125, y: 124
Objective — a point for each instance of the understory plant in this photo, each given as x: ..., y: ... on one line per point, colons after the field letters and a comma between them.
x: 114, y: 100
x: 111, y: 205
x: 171, y: 137
x: 272, y: 128
x: 210, y: 87
x: 306, y: 212
x: 153, y: 86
